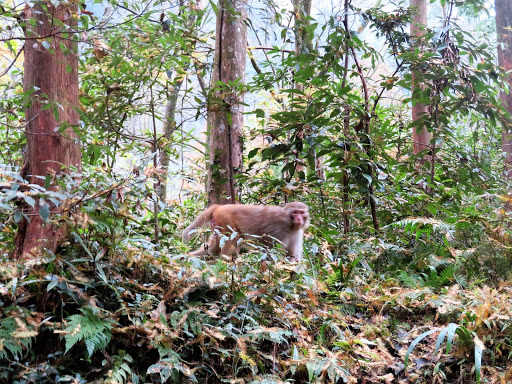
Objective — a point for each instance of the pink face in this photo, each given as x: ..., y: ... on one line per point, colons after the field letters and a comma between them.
x: 299, y: 217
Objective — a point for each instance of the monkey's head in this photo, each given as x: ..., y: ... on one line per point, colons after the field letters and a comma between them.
x: 299, y: 215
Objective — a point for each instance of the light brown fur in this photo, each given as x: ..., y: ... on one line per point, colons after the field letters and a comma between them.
x: 286, y: 224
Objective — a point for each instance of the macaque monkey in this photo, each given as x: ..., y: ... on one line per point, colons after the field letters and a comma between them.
x: 286, y: 224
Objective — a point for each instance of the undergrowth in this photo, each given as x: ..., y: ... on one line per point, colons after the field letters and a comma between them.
x: 112, y: 307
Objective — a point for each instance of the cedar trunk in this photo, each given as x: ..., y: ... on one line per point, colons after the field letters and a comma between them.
x: 504, y: 31
x: 226, y: 105
x: 51, y: 74
x: 420, y: 136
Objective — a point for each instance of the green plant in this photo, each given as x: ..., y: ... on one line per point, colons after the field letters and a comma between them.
x: 465, y: 337
x: 15, y: 339
x: 121, y: 371
x: 89, y: 327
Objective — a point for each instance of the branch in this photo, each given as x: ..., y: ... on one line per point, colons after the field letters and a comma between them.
x: 13, y: 61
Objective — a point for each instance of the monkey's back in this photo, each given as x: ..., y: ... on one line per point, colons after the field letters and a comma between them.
x: 259, y: 220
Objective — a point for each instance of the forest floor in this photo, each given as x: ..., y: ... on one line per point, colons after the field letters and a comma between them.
x: 147, y: 319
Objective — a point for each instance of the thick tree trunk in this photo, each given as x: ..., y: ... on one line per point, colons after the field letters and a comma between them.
x: 51, y: 73
x: 226, y: 105
x: 504, y: 31
x: 421, y: 136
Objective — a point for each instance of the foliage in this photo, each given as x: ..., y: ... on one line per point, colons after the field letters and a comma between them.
x: 396, y: 246
x: 94, y: 331
x: 449, y: 333
x: 14, y: 339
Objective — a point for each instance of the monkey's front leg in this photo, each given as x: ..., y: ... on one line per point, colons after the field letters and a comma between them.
x: 294, y: 247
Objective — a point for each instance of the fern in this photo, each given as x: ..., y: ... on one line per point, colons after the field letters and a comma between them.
x: 13, y: 338
x: 432, y: 279
x: 423, y: 225
x: 93, y: 330
x: 460, y: 279
x: 411, y: 280
x: 121, y: 372
x: 447, y: 274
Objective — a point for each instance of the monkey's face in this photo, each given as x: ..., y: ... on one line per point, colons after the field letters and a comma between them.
x: 299, y: 218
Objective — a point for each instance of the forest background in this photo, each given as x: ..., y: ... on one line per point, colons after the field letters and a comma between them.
x: 120, y: 121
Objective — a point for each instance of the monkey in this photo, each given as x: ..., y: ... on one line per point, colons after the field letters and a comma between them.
x: 286, y: 224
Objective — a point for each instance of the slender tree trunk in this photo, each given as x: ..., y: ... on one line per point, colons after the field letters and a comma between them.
x: 504, y: 31
x: 346, y: 129
x: 303, y: 44
x: 226, y: 105
x: 345, y: 198
x: 51, y: 73
x: 421, y: 136
x: 169, y: 128
x: 170, y: 110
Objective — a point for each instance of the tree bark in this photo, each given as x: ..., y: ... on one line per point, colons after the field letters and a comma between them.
x: 225, y: 110
x: 51, y: 74
x: 303, y: 42
x: 169, y: 128
x: 420, y: 136
x: 303, y: 45
x: 170, y: 124
x: 504, y: 32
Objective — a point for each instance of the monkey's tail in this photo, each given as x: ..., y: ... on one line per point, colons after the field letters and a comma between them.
x: 205, y: 217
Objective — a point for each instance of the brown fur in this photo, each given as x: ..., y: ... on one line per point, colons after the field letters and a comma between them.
x: 285, y: 224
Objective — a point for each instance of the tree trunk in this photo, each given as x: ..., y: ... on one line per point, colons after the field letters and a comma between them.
x: 303, y: 45
x: 169, y: 128
x: 302, y: 9
x: 225, y: 109
x: 504, y: 31
x: 420, y: 136
x: 170, y: 124
x: 51, y: 73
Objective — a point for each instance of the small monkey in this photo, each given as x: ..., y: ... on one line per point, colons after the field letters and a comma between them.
x: 286, y: 224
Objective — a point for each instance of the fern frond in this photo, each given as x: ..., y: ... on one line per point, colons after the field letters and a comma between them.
x: 411, y: 280
x: 13, y: 339
x: 420, y: 225
x: 447, y: 274
x: 121, y: 372
x: 89, y: 327
x: 460, y: 279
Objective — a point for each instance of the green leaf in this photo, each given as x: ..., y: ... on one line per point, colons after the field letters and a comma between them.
x: 368, y: 178
x: 30, y: 200
x: 52, y: 285
x: 273, y: 151
x: 55, y: 109
x: 18, y: 216
x: 253, y: 153
x: 44, y: 210
x: 442, y: 335
x: 81, y: 242
x: 260, y: 113
x: 414, y: 343
x: 479, y: 349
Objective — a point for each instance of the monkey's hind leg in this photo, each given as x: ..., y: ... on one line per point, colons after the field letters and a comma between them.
x: 212, y: 248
